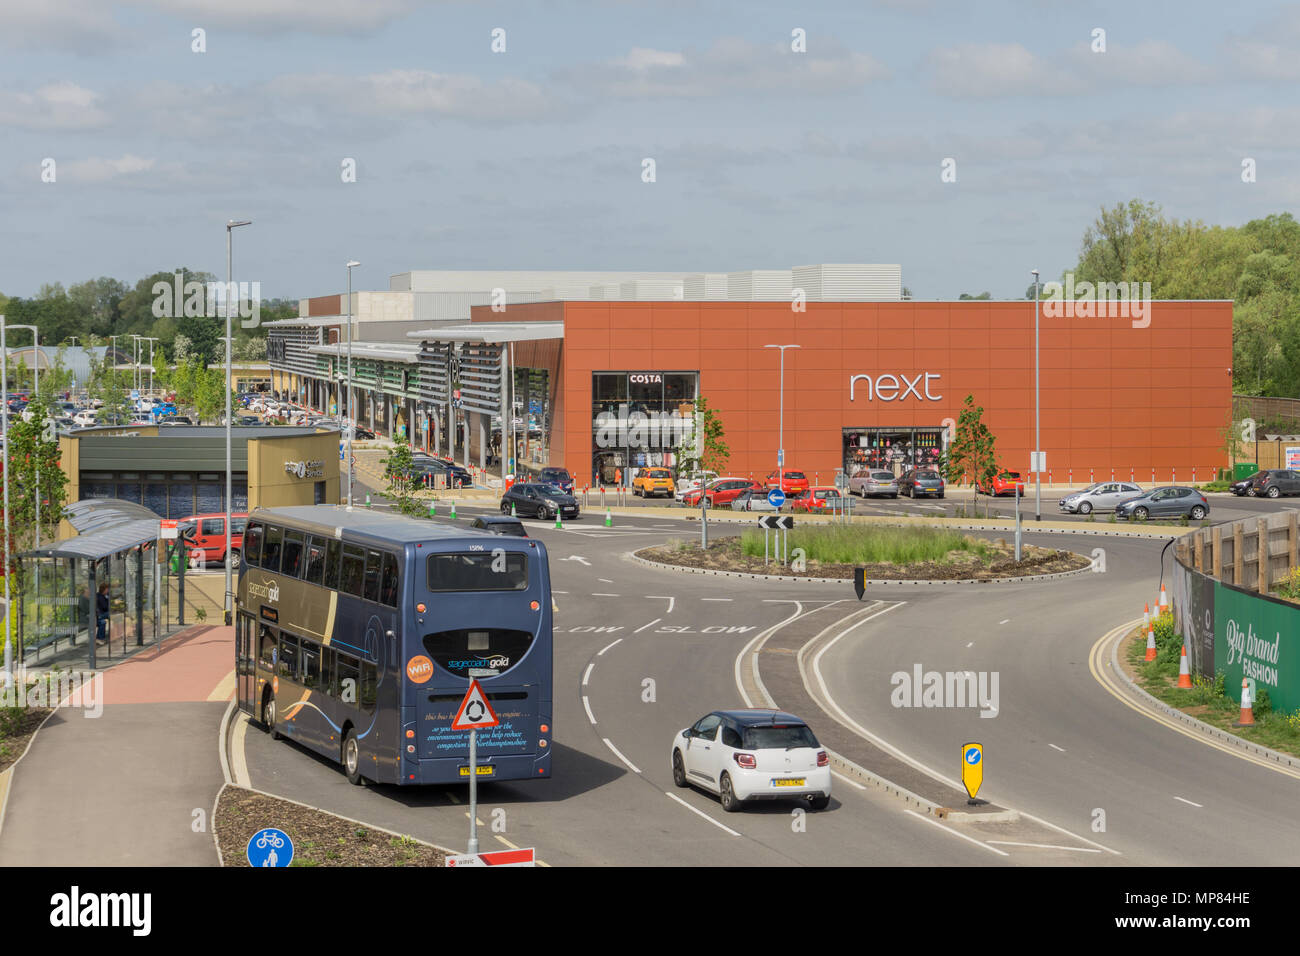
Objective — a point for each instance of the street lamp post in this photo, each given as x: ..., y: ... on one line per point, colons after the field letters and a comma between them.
x: 1038, y: 445
x: 231, y: 226
x: 4, y: 422
x: 151, y: 339
x: 780, y: 451
x: 352, y: 427
x: 36, y: 394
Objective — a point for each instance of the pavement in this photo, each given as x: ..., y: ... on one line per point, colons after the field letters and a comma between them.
x: 135, y: 785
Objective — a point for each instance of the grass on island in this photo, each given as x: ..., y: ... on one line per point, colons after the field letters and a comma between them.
x: 872, y: 544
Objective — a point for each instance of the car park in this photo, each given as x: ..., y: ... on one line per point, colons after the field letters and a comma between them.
x: 457, y: 477
x: 536, y: 500
x: 1168, y: 502
x: 207, y: 537
x: 869, y: 484
x: 752, y: 499
x: 1276, y: 482
x: 1102, y: 496
x: 721, y: 491
x: 500, y: 524
x: 752, y: 755
x: 788, y: 480
x: 653, y: 482
x: 921, y: 482
x: 1004, y: 483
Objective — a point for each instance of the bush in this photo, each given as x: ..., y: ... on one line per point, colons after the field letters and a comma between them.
x: 1290, y: 587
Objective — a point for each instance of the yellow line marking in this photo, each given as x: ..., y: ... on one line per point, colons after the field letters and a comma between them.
x: 225, y: 688
x: 1097, y: 657
x: 507, y: 842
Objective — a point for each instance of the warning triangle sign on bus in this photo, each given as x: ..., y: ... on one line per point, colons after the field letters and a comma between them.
x: 475, y: 712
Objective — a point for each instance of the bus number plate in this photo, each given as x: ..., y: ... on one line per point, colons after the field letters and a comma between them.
x: 484, y: 771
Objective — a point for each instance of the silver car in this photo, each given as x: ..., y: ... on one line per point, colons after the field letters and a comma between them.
x: 1102, y: 496
x: 868, y: 483
x: 752, y: 500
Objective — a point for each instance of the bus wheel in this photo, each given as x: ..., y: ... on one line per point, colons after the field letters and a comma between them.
x: 352, y: 758
x: 268, y: 716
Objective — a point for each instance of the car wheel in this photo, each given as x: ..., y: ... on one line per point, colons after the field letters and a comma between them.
x: 350, y: 757
x: 1085, y: 508
x: 1274, y: 492
x: 1141, y: 514
x: 730, y: 802
x: 941, y: 494
x: 545, y: 514
x: 708, y: 502
x: 679, y: 770
x: 505, y: 508
x: 820, y: 803
x: 1198, y: 513
x: 1252, y: 493
x: 232, y: 559
x: 268, y: 716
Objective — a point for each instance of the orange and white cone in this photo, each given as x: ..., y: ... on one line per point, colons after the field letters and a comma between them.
x: 1151, y: 643
x: 1247, y: 718
x: 1164, y: 600
x: 1146, y: 616
x: 1184, y: 672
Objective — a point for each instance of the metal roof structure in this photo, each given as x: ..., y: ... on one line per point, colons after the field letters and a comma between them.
x: 106, y: 526
x: 492, y: 332
x: 394, y: 528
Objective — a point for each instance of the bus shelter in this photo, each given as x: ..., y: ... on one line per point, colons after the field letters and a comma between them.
x: 57, y: 585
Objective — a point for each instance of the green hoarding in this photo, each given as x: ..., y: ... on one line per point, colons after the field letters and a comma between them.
x: 1259, y: 638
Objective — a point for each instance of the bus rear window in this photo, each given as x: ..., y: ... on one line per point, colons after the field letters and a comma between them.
x: 478, y: 571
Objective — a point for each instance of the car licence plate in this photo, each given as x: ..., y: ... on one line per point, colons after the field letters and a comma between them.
x: 788, y: 782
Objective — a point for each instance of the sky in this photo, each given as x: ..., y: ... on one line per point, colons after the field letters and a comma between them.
x: 534, y: 156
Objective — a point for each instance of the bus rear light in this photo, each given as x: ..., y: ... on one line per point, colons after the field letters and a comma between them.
x: 546, y: 729
x: 420, y: 608
x: 411, y: 777
x: 410, y: 734
x: 746, y: 760
x: 410, y: 748
x: 534, y: 605
x: 541, y: 743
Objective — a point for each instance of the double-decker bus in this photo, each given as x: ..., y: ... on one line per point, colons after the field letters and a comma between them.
x: 357, y: 635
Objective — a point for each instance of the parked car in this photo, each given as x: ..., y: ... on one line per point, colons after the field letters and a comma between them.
x: 1102, y: 496
x: 920, y: 482
x: 1275, y: 482
x: 1246, y: 486
x: 684, y: 486
x: 868, y: 484
x: 457, y: 477
x: 721, y: 491
x: 536, y: 500
x: 653, y: 482
x: 500, y: 524
x: 1005, y: 483
x: 816, y: 500
x: 788, y: 479
x: 176, y: 420
x: 207, y: 535
x: 559, y: 477
x: 752, y: 499
x: 1168, y: 502
x: 744, y: 755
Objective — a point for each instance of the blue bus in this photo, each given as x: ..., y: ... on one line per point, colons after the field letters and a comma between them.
x: 357, y: 635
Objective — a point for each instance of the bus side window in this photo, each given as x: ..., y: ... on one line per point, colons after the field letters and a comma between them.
x: 327, y: 671
x: 388, y: 582
x: 332, y: 553
x: 369, y: 681
x: 349, y: 669
x: 252, y: 549
x: 268, y: 639
x: 374, y: 562
x: 271, y: 549
x: 352, y: 570
x: 315, y: 560
x: 291, y: 558
x: 288, y: 668
x: 310, y: 665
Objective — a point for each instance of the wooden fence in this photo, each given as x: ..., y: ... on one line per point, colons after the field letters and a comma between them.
x: 1255, y: 553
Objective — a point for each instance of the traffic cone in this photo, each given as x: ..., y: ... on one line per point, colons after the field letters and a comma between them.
x: 453, y: 511
x: 1184, y: 672
x: 513, y: 512
x: 609, y: 519
x: 1146, y: 616
x: 1151, y: 643
x: 1164, y: 600
x: 1247, y: 718
x: 559, y: 525
x: 367, y: 501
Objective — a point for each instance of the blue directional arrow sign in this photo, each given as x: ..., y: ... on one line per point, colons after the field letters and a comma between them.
x: 776, y: 497
x: 972, y: 768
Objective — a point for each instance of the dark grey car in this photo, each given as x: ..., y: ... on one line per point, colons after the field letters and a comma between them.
x: 1275, y: 482
x: 1168, y: 502
x: 920, y: 482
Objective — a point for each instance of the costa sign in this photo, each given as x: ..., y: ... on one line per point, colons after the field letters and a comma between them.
x: 886, y: 387
x: 646, y: 378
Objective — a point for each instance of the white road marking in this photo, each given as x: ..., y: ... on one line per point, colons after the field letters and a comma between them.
x: 587, y: 676
x: 717, y: 599
x: 1054, y: 747
x: 1047, y: 846
x: 608, y: 646
x: 971, y: 644
x: 559, y: 592
x: 604, y: 580
x: 1189, y: 803
x: 971, y: 839
x: 848, y: 780
x: 601, y: 594
x: 720, y: 826
x: 583, y: 561
x: 1005, y: 622
x: 643, y: 627
x: 587, y: 706
x: 665, y: 597
x: 610, y: 745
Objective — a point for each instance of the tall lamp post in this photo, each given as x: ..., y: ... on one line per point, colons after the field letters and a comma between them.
x: 351, y: 426
x: 36, y: 392
x: 151, y: 339
x: 780, y: 442
x: 4, y: 423
x: 1038, y: 445
x: 231, y: 226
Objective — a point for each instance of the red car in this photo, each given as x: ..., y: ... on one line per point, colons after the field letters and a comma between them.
x: 791, y: 480
x: 208, y: 537
x: 1006, y: 483
x: 721, y: 491
x: 815, y: 499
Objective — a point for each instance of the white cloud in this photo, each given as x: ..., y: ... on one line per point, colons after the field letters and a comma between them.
x: 1271, y: 51
x: 411, y: 93
x: 73, y: 26
x: 311, y: 16
x: 99, y: 170
x: 65, y: 106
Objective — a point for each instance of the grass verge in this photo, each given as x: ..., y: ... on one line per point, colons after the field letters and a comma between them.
x: 849, y: 544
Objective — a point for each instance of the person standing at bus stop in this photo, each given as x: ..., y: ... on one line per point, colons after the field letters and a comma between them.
x: 101, y: 615
x: 618, y: 477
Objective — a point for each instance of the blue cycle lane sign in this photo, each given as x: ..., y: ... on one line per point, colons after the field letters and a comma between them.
x: 972, y: 768
x: 776, y: 497
x: 270, y: 847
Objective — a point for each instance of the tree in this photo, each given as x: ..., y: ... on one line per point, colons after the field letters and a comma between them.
x: 108, y: 385
x: 33, y: 461
x: 209, y: 392
x: 708, y: 451
x: 397, y: 467
x: 982, y: 296
x: 971, y: 451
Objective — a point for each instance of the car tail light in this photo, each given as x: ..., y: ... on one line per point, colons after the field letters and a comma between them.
x: 746, y: 760
x: 823, y: 759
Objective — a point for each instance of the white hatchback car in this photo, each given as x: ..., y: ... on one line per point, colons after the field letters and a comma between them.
x: 746, y: 755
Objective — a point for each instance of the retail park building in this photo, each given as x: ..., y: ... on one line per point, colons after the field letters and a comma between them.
x: 602, y: 369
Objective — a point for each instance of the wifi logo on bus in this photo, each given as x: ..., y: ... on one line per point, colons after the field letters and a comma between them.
x: 419, y: 669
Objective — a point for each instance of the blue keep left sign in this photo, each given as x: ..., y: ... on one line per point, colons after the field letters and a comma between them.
x: 270, y: 847
x: 776, y: 497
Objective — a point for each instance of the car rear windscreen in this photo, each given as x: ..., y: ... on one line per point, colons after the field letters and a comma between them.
x: 494, y: 570
x: 796, y: 476
x: 779, y: 738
